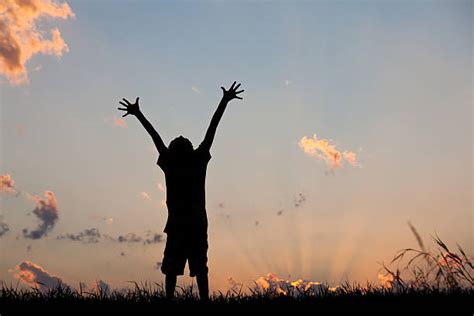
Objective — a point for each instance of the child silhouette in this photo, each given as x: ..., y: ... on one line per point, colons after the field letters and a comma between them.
x: 185, y: 174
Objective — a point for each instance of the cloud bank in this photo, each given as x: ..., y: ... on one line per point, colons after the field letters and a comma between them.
x: 22, y: 36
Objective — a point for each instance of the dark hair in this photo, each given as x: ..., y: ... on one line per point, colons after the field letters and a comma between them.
x: 180, y: 147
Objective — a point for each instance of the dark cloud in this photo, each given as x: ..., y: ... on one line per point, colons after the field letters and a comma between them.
x: 88, y: 236
x: 154, y: 239
x: 47, y: 213
x: 224, y: 216
x: 257, y: 223
x: 150, y: 238
x: 93, y: 235
x: 101, y: 287
x: 280, y: 212
x: 3, y: 228
x: 129, y: 238
x: 33, y: 274
x: 299, y: 200
x: 122, y: 254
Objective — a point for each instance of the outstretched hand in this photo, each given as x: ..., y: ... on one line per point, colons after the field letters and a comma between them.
x: 130, y: 108
x: 232, y: 93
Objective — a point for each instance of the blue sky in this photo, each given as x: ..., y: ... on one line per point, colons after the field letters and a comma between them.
x: 391, y: 81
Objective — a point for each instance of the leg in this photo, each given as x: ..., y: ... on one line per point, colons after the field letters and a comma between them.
x: 170, y: 280
x: 173, y: 263
x: 203, y: 285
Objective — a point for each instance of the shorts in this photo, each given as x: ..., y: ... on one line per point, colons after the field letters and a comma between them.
x: 185, y: 246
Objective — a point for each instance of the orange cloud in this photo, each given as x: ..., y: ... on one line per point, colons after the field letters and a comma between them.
x: 272, y: 282
x: 7, y: 184
x: 324, y: 150
x: 32, y: 274
x: 386, y: 280
x: 21, y: 36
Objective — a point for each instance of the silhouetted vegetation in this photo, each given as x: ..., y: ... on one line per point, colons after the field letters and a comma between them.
x: 429, y: 280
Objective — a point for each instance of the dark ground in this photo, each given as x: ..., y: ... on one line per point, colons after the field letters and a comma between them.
x: 460, y: 303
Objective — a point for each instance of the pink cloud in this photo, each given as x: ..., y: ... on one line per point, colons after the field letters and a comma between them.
x: 120, y: 122
x: 145, y: 195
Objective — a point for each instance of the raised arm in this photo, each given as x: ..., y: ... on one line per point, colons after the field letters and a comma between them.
x: 228, y: 95
x: 134, y: 109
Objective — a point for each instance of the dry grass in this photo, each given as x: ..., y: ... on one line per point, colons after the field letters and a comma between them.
x: 441, y: 268
x: 429, y: 280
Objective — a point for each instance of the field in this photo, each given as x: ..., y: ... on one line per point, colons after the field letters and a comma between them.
x: 430, y: 282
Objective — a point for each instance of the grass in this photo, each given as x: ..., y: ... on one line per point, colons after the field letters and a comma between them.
x: 439, y: 280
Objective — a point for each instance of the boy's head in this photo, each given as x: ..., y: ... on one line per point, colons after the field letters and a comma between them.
x: 180, y: 146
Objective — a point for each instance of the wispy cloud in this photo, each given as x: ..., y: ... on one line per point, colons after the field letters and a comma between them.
x: 120, y: 122
x: 93, y: 235
x: 145, y: 195
x: 20, y: 130
x: 115, y: 121
x: 195, y: 89
x: 161, y: 187
x: 324, y: 150
x: 46, y: 212
x: 22, y: 36
x: 350, y: 157
x: 163, y: 203
x: 108, y: 220
x: 33, y: 274
x: 299, y: 200
x: 87, y: 236
x: 103, y: 219
x: 149, y: 238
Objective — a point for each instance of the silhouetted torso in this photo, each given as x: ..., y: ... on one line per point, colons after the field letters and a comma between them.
x: 185, y: 190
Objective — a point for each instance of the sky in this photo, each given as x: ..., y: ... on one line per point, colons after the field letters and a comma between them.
x: 356, y: 119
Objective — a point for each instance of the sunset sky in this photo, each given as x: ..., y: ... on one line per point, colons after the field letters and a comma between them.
x: 356, y: 118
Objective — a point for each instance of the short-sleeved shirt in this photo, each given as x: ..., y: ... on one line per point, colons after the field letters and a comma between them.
x: 185, y: 190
